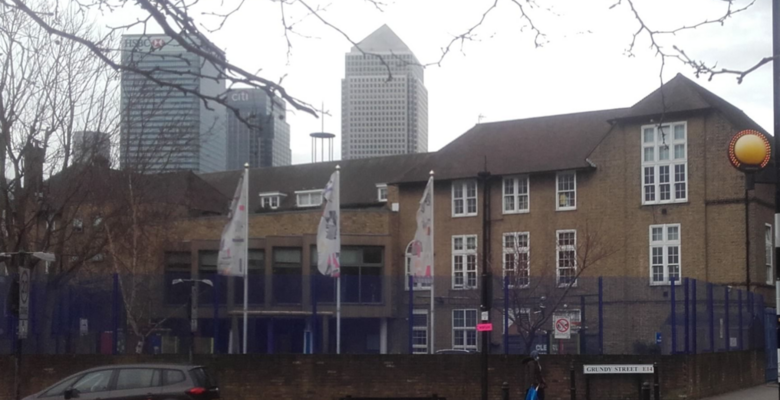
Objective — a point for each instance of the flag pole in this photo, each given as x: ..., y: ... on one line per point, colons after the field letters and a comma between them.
x: 245, y: 183
x: 338, y: 279
x: 433, y: 265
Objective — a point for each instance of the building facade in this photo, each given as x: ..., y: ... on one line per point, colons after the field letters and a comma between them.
x: 262, y: 139
x: 166, y: 128
x: 384, y: 103
x: 606, y: 217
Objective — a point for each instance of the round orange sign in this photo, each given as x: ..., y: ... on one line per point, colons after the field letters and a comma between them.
x: 749, y: 151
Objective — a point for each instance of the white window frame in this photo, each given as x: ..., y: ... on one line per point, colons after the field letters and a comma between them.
x: 381, y: 192
x: 516, y: 196
x: 511, y: 253
x: 769, y: 249
x: 463, y: 186
x: 311, y: 194
x: 408, y: 264
x: 650, y: 171
x: 419, y: 348
x: 558, y: 249
x: 270, y: 198
x: 558, y: 191
x: 512, y: 311
x: 465, y: 329
x: 462, y: 257
x: 665, y: 244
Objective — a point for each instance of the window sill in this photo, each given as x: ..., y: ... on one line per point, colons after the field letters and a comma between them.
x: 667, y: 283
x: 505, y: 212
x: 423, y: 289
x: 464, y: 215
x: 464, y: 288
x: 665, y: 203
x: 566, y: 208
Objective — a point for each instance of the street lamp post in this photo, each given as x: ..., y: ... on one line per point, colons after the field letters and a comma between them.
x: 193, y: 311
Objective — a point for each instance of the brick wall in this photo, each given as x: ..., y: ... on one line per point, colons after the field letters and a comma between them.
x: 453, y: 376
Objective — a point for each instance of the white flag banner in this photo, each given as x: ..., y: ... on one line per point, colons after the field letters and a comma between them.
x: 232, y: 248
x: 422, y: 247
x: 328, y: 232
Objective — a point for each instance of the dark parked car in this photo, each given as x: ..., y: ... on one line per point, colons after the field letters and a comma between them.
x: 135, y: 382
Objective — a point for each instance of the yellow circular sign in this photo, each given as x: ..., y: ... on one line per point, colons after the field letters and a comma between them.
x: 749, y: 150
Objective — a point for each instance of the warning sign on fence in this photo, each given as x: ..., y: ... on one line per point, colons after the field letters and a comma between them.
x: 562, y: 326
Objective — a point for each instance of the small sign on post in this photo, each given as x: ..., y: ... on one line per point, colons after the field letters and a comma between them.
x: 484, y: 327
x: 562, y: 328
x: 83, y: 327
x: 24, y: 301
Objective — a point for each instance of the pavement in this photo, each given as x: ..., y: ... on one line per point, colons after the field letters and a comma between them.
x: 763, y: 392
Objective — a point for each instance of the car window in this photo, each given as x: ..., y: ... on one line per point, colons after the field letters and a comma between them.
x: 59, y: 389
x: 202, y: 378
x: 173, y: 376
x: 94, y: 381
x: 137, y: 378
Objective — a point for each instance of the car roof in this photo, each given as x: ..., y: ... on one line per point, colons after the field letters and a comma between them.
x: 116, y: 366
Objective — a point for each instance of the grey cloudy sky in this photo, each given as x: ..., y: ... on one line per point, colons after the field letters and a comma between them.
x: 502, y: 75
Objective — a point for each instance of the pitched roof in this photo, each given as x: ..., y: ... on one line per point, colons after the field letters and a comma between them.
x: 383, y: 40
x: 681, y: 94
x: 358, y: 179
x: 540, y: 144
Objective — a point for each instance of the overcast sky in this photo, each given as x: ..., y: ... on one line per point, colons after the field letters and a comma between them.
x: 503, y: 76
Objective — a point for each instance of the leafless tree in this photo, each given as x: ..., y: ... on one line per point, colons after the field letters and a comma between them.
x: 537, y: 291
x: 189, y: 24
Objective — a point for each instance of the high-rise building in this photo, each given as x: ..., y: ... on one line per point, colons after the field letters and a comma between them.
x: 261, y: 137
x: 170, y: 128
x: 90, y: 144
x: 384, y: 103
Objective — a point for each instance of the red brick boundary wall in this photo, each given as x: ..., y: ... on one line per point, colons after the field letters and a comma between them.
x: 324, y: 377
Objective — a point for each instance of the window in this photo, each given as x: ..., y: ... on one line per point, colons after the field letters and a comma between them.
x: 421, y: 284
x: 177, y: 266
x: 361, y: 275
x: 78, y: 225
x: 516, y: 198
x: 464, y: 329
x: 381, y: 191
x: 256, y: 266
x: 287, y: 269
x: 664, y: 163
x: 172, y: 376
x: 566, y: 257
x: 464, y: 198
x: 768, y: 249
x: 516, y: 259
x: 207, y: 269
x: 270, y: 202
x: 664, y: 253
x: 420, y: 332
x: 94, y: 382
x: 309, y: 198
x: 464, y: 262
x: 59, y: 389
x: 137, y: 378
x: 566, y: 190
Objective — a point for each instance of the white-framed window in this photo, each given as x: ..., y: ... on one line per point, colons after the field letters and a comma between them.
x: 464, y: 329
x: 464, y: 198
x: 664, y: 163
x: 516, y: 195
x: 517, y: 259
x: 665, y: 254
x: 464, y: 262
x: 308, y: 198
x: 769, y: 248
x: 418, y: 285
x: 519, y: 319
x: 420, y: 331
x: 78, y: 225
x: 566, y: 257
x: 381, y: 192
x: 566, y: 190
